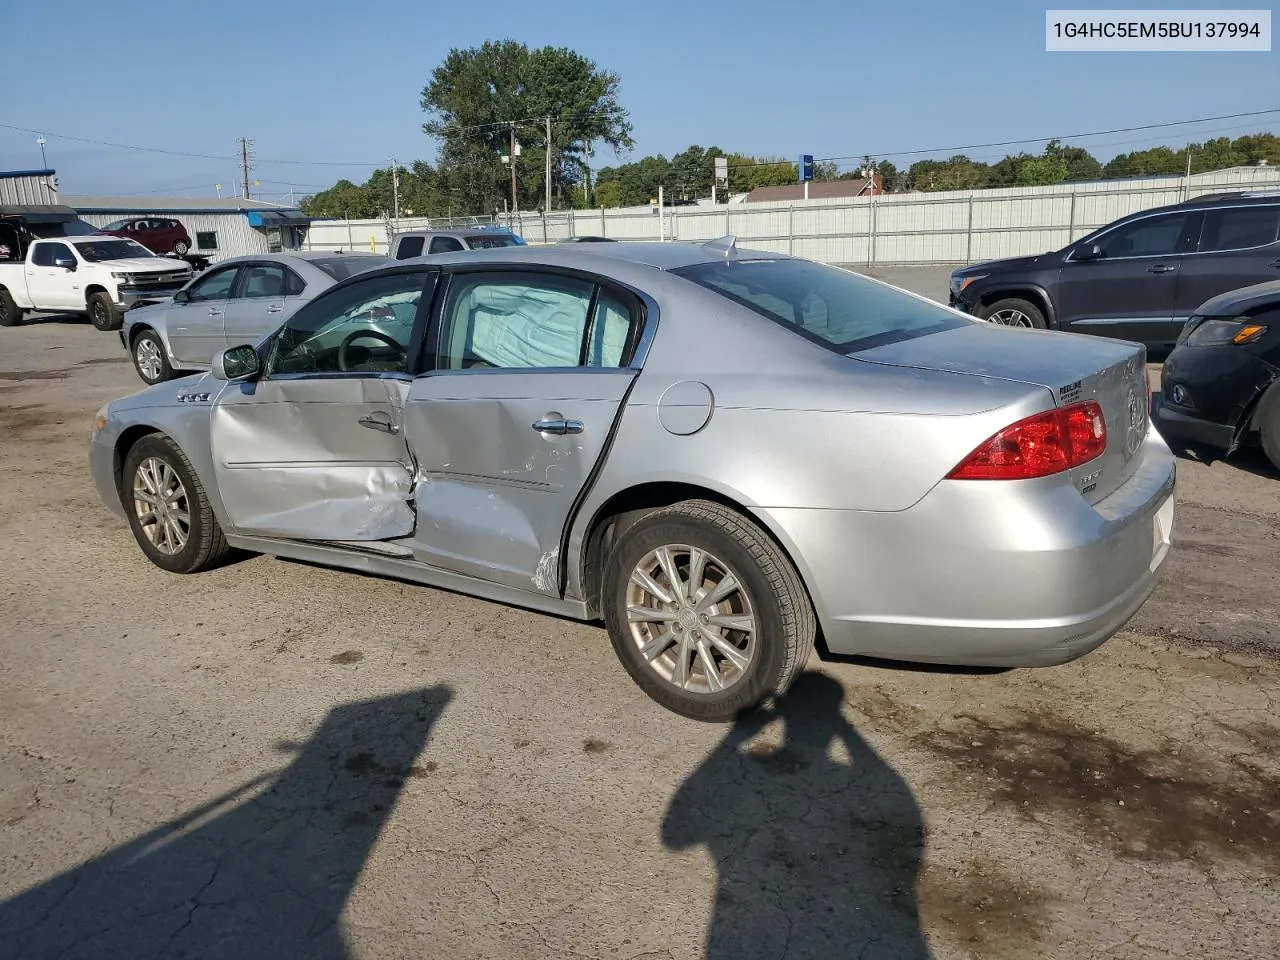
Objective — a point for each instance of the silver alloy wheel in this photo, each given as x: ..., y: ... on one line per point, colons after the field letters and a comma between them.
x: 1011, y: 318
x: 161, y: 505
x: 691, y: 619
x: 147, y: 353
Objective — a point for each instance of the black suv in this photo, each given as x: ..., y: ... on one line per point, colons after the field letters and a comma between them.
x: 1138, y: 278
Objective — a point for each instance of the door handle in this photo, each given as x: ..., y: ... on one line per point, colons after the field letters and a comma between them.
x: 215, y: 312
x: 376, y: 423
x: 1274, y: 264
x: 274, y: 309
x: 558, y: 426
x: 1161, y: 268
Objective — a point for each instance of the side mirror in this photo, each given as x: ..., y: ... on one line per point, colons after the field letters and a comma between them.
x: 182, y: 297
x: 236, y: 363
x: 1090, y: 251
x: 65, y: 262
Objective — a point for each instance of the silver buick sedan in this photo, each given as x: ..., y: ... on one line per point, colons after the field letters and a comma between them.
x: 236, y: 301
x: 726, y: 455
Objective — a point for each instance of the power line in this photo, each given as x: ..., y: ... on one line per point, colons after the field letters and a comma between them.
x: 1012, y: 143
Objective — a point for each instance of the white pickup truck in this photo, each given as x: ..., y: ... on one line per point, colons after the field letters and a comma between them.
x: 96, y: 275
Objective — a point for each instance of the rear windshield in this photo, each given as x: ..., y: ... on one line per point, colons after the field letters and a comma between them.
x: 832, y: 307
x: 342, y: 267
x: 483, y: 240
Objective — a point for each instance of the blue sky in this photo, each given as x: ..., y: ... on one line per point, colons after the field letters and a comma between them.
x: 325, y: 81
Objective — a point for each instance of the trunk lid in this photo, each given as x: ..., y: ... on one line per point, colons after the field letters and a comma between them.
x: 1072, y: 367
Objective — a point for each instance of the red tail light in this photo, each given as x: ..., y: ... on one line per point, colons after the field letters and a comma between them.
x: 1038, y: 446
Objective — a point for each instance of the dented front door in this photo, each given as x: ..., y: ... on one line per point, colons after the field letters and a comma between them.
x: 315, y: 458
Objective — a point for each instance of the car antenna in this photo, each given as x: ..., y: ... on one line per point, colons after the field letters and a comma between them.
x: 729, y: 244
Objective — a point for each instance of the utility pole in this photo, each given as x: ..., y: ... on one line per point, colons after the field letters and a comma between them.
x: 395, y: 190
x: 547, y: 205
x: 515, y: 204
x: 244, y: 164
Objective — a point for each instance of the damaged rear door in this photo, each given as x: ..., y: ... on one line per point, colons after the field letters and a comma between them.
x: 508, y: 428
x: 315, y: 448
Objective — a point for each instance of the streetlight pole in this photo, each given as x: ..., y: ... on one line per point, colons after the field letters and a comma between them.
x: 44, y: 164
x: 395, y: 190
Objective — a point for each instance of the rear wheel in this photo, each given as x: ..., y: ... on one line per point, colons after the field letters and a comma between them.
x: 1014, y: 312
x: 149, y: 357
x: 705, y: 611
x: 181, y: 247
x: 168, y: 509
x: 10, y: 315
x: 104, y: 314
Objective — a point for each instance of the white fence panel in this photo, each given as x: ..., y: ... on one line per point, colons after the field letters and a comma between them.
x: 947, y: 227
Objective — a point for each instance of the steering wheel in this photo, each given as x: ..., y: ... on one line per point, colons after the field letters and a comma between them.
x: 355, y: 335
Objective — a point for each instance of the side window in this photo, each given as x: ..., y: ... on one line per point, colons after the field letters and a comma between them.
x: 363, y: 328
x: 1239, y: 228
x: 610, y: 331
x: 1149, y: 237
x: 262, y: 280
x: 409, y: 247
x: 214, y: 286
x: 444, y: 245
x: 293, y: 284
x: 207, y: 239
x: 514, y: 321
x: 42, y: 255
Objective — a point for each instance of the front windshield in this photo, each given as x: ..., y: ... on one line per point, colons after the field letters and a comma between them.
x: 835, y: 308
x: 97, y: 251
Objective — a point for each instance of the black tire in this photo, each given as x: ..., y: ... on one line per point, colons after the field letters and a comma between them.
x: 785, y: 621
x: 1268, y: 419
x: 150, y: 336
x: 103, y: 314
x: 181, y: 247
x: 1025, y: 307
x: 206, y: 546
x: 10, y: 315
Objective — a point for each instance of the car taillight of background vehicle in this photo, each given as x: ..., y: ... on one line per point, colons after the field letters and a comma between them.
x: 1039, y: 445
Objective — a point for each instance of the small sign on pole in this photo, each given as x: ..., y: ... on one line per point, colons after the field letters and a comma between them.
x: 806, y: 167
x: 722, y: 171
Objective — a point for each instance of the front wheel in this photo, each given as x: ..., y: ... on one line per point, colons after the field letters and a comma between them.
x: 1013, y: 312
x: 168, y: 508
x: 705, y: 611
x: 10, y: 315
x: 104, y: 314
x: 149, y: 358
x: 1269, y: 424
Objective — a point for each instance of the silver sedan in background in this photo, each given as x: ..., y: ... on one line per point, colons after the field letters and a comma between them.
x: 725, y: 455
x: 239, y: 300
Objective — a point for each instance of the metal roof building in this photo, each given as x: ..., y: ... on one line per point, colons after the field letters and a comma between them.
x: 219, y: 229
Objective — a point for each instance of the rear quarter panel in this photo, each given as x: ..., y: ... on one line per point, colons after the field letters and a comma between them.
x: 790, y: 424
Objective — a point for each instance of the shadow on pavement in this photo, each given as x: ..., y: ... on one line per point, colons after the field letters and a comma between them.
x: 241, y: 878
x: 816, y: 857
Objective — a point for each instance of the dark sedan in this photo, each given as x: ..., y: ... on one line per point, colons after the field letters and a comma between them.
x: 1220, y: 386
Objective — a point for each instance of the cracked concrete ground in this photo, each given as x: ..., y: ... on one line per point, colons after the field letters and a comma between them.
x: 274, y: 759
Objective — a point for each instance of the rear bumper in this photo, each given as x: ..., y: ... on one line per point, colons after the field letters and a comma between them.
x: 1017, y: 574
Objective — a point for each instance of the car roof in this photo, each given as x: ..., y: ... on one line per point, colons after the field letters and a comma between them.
x: 306, y: 256
x: 1235, y: 302
x: 596, y: 256
x: 478, y: 230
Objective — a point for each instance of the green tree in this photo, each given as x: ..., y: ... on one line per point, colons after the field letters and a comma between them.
x: 1042, y: 171
x: 478, y: 97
